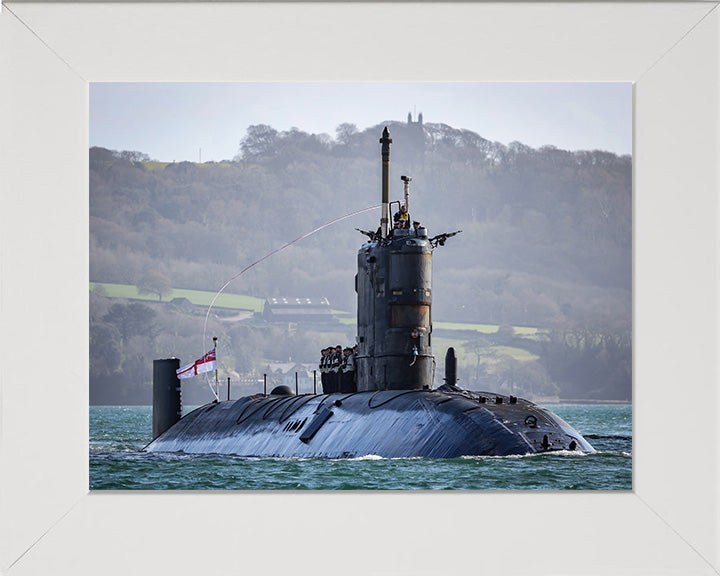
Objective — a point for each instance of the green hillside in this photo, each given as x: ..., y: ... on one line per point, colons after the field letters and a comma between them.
x: 197, y: 297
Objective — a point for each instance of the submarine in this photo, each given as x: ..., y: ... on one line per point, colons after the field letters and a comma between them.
x: 391, y: 409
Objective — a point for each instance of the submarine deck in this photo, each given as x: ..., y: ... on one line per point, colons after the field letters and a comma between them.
x: 390, y: 423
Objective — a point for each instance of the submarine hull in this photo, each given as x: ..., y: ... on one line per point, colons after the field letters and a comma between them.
x: 389, y: 424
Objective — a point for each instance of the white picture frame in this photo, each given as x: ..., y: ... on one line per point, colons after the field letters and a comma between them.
x: 50, y: 523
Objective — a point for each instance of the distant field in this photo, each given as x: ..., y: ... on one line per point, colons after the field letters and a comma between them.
x: 525, y: 331
x: 155, y: 165
x: 197, y: 297
x: 484, y: 328
x: 465, y: 356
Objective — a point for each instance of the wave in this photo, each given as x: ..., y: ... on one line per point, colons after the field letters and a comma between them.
x: 552, y: 453
x: 530, y: 455
x: 607, y: 437
x: 366, y: 457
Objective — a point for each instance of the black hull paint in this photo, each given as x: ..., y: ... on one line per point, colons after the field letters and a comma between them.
x: 389, y: 424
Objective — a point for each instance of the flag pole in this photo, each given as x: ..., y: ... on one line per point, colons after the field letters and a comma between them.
x: 217, y: 382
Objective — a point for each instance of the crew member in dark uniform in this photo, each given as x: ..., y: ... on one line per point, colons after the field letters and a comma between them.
x: 335, y: 361
x: 329, y: 377
x: 355, y: 374
x: 324, y: 370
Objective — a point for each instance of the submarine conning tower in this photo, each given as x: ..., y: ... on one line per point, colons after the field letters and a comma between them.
x: 394, y: 290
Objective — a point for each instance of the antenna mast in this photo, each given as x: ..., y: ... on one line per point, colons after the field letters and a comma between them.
x: 385, y: 141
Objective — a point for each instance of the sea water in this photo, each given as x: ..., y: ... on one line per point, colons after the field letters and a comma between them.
x: 119, y: 433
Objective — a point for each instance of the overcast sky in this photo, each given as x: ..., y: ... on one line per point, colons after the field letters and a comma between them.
x: 175, y: 122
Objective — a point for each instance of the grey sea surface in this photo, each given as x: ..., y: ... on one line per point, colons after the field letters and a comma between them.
x: 119, y: 433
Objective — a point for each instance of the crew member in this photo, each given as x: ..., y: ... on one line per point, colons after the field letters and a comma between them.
x: 334, y: 375
x: 403, y: 216
x: 354, y: 372
x: 396, y: 226
x: 325, y: 369
x: 321, y: 368
x: 348, y: 371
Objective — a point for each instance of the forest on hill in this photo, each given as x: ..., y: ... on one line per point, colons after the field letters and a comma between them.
x: 546, y: 242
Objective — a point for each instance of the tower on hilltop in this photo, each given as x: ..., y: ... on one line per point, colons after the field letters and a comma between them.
x: 418, y: 122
